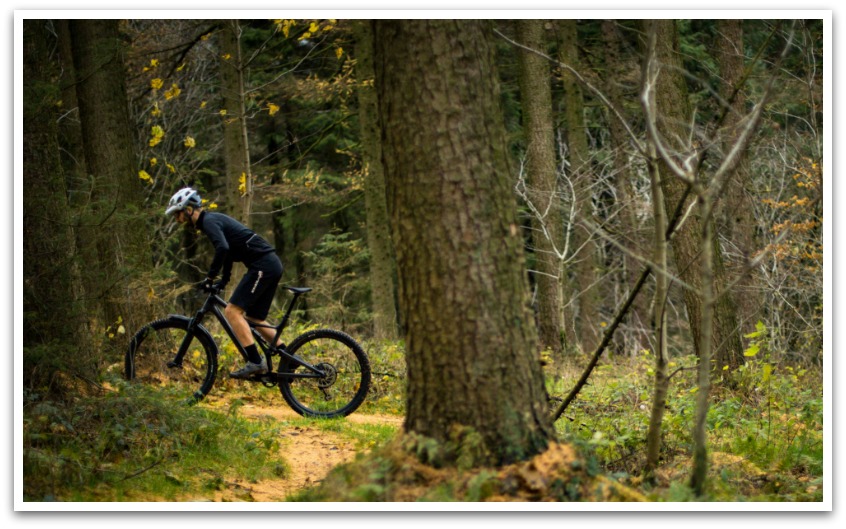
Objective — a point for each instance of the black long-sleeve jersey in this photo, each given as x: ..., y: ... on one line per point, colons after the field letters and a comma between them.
x: 233, y: 242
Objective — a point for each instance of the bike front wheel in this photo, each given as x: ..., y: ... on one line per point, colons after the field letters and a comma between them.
x: 151, y: 359
x: 344, y: 380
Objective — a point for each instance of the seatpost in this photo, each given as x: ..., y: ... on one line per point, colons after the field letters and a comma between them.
x: 287, y: 315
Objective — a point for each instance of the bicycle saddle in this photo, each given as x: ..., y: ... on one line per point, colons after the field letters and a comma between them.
x: 298, y: 290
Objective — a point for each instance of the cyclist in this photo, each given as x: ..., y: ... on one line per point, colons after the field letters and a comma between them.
x: 234, y: 242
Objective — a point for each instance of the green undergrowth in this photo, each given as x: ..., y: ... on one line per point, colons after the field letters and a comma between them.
x: 765, y: 428
x: 132, y: 445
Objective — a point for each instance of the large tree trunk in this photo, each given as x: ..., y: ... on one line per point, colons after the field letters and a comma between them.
x: 382, y: 265
x: 53, y: 315
x: 542, y: 183
x: 581, y: 174
x: 737, y: 208
x: 236, y: 152
x: 470, y: 336
x: 119, y: 235
x: 674, y: 114
x: 70, y: 134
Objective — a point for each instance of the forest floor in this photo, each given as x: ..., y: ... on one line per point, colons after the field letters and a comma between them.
x: 765, y: 441
x: 311, y: 453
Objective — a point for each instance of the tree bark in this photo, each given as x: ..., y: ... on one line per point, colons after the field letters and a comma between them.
x: 542, y: 181
x: 470, y: 336
x: 737, y: 209
x: 53, y: 314
x: 674, y: 114
x: 118, y: 233
x: 382, y: 264
x: 236, y: 154
x: 581, y: 174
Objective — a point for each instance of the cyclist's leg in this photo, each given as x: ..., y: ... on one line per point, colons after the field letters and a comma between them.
x: 267, y: 332
x: 258, y: 290
x: 236, y: 316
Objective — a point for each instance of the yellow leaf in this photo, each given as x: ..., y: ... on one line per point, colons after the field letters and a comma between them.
x: 213, y: 205
x: 156, y: 112
x: 171, y: 167
x: 272, y: 109
x: 143, y: 175
x: 768, y: 369
x: 173, y: 92
x: 121, y: 329
x: 226, y: 56
x: 222, y: 112
x: 189, y: 142
x: 156, y: 83
x: 203, y: 104
x: 339, y: 52
x: 242, y: 184
x: 181, y: 67
x: 154, y: 63
x: 314, y: 27
x: 154, y: 161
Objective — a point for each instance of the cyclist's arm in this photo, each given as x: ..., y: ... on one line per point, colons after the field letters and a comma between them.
x: 221, y: 249
x: 227, y: 270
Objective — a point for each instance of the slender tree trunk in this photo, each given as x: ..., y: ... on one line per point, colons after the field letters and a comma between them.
x: 239, y: 182
x: 470, y: 336
x: 581, y: 174
x: 699, y: 473
x: 662, y: 381
x: 119, y: 235
x: 536, y: 101
x: 382, y: 265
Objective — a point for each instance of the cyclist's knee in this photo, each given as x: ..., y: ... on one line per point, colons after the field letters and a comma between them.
x: 233, y: 311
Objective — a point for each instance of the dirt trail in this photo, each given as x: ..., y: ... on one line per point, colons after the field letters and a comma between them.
x: 310, y: 452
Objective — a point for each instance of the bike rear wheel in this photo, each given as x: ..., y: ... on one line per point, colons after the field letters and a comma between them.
x: 156, y: 345
x: 346, y: 375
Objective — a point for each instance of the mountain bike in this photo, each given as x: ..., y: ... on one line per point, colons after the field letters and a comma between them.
x: 321, y: 373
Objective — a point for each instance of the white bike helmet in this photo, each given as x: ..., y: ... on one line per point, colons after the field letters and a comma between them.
x: 183, y: 198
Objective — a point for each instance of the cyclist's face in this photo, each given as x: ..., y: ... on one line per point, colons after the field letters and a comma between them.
x: 181, y: 217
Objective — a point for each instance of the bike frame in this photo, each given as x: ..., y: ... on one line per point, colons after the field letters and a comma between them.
x: 214, y: 305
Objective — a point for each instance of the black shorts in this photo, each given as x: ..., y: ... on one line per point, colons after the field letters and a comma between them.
x: 257, y: 288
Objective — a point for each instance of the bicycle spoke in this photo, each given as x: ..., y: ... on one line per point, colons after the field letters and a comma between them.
x: 344, y: 381
x: 152, y: 361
